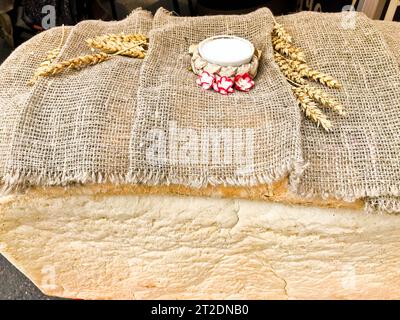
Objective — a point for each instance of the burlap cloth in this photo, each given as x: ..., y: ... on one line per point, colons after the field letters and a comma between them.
x: 15, y: 73
x: 176, y: 110
x: 120, y: 121
x: 391, y: 32
x: 361, y: 158
x: 75, y: 127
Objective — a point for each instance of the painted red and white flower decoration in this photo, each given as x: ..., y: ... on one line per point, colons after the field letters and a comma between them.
x: 225, y: 85
x: 205, y: 80
x: 243, y: 82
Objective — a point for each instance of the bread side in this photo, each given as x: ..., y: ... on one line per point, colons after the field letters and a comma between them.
x: 171, y: 247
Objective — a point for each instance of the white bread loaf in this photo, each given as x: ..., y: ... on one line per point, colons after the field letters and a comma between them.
x: 108, y: 242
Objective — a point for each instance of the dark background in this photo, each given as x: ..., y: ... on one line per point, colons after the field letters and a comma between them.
x: 26, y: 15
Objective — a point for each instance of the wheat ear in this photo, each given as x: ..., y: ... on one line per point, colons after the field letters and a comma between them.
x: 307, y: 72
x: 293, y: 66
x: 324, y: 99
x: 301, y: 67
x: 122, y: 37
x: 134, y: 50
x: 324, y: 79
x: 287, y: 70
x: 311, y: 110
x: 51, y: 56
x: 282, y: 43
x: 132, y: 45
x: 286, y: 49
x: 281, y: 33
x: 75, y: 63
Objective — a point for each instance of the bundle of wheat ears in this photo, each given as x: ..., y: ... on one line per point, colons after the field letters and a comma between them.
x: 109, y: 45
x: 292, y: 64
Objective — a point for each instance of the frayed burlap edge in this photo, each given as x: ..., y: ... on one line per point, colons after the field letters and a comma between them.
x: 20, y: 180
x: 385, y: 205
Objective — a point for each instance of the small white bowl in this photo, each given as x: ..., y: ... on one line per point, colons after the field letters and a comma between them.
x: 226, y: 50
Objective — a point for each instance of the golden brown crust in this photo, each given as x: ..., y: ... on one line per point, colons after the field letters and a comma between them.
x: 277, y: 192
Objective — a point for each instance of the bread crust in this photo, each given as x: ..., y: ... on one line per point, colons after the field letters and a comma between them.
x: 276, y: 192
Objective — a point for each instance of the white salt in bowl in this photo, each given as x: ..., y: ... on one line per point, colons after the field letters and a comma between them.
x: 226, y: 50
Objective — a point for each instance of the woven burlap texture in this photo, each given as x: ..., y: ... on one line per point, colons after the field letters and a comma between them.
x: 98, y: 124
x: 75, y: 127
x: 361, y: 157
x: 15, y: 73
x: 391, y: 32
x: 171, y: 106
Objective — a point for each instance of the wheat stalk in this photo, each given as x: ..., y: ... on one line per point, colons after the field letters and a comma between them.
x: 122, y: 37
x: 323, y: 98
x: 112, y: 43
x: 281, y: 33
x: 294, y: 67
x: 287, y: 70
x: 289, y: 73
x: 307, y: 72
x: 301, y: 67
x: 133, y: 45
x: 134, y: 50
x: 286, y: 49
x: 50, y: 57
x: 75, y: 63
x: 324, y: 79
x: 53, y: 54
x: 311, y: 110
